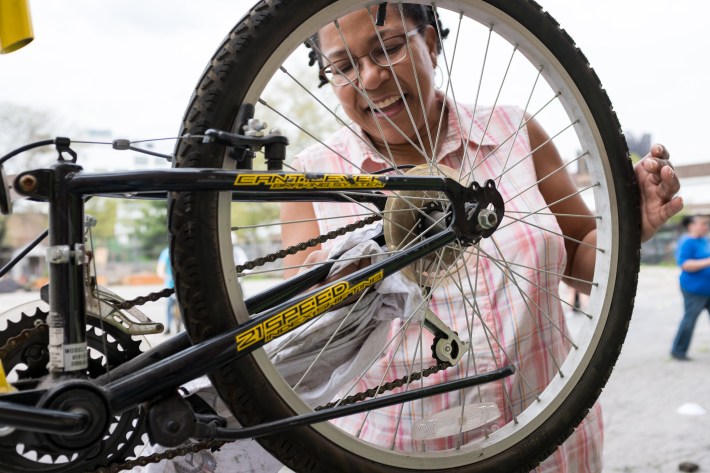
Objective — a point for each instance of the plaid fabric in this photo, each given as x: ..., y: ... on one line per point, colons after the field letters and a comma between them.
x: 519, y: 307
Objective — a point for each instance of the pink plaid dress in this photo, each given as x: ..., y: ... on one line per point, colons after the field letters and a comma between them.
x: 523, y: 322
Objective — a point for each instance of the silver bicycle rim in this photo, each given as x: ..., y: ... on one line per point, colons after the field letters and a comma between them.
x: 603, y: 194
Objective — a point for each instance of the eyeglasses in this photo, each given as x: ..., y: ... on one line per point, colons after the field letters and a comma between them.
x: 345, y: 71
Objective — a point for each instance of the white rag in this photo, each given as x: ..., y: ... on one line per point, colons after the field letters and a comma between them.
x: 362, y: 327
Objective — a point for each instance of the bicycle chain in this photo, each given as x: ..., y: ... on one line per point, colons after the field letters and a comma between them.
x: 389, y: 386
x: 26, y: 334
x: 312, y: 243
x: 214, y: 445
x: 140, y: 300
x: 249, y: 265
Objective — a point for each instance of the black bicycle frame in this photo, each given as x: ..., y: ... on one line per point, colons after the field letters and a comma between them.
x: 65, y: 186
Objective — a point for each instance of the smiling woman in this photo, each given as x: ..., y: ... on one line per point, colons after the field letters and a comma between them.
x: 394, y: 110
x: 514, y: 113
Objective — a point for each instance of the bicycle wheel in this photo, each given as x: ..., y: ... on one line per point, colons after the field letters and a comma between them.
x: 508, y: 303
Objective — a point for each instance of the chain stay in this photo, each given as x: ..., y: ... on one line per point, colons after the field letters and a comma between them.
x: 216, y: 444
x: 389, y: 386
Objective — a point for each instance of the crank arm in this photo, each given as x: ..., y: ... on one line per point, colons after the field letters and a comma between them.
x: 35, y: 419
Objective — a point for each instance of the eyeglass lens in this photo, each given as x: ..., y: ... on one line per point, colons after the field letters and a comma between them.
x: 342, y: 72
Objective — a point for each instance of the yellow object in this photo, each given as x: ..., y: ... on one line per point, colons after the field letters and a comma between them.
x: 5, y: 387
x: 15, y: 25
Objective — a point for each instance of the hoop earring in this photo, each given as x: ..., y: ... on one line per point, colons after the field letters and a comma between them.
x: 438, y: 77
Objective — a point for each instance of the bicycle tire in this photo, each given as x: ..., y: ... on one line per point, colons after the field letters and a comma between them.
x: 212, y: 301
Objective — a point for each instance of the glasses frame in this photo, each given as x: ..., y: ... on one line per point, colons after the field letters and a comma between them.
x: 354, y: 61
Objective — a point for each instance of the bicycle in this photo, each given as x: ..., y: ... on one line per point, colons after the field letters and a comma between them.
x: 437, y: 224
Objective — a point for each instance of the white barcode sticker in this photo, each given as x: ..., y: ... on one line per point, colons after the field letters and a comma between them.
x: 75, y: 357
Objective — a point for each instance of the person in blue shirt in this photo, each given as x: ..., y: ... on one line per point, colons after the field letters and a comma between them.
x: 693, y: 256
x: 165, y: 271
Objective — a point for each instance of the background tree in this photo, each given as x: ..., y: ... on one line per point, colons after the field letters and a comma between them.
x: 300, y: 117
x: 149, y: 227
x: 105, y: 211
x: 20, y: 125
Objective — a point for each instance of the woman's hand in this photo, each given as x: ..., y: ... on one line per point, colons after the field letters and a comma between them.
x: 658, y: 185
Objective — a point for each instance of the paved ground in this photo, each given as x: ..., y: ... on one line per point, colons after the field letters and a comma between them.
x: 645, y: 432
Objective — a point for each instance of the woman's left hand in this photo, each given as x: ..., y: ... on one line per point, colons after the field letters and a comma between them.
x: 658, y: 185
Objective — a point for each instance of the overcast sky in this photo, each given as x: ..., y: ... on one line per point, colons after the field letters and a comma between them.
x: 129, y: 66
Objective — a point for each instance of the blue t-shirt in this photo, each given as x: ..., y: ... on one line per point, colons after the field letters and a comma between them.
x: 165, y: 259
x: 697, y: 282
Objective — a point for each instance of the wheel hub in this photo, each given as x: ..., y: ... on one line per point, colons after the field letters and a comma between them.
x: 414, y: 215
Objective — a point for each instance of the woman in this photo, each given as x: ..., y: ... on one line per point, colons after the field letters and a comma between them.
x: 396, y: 110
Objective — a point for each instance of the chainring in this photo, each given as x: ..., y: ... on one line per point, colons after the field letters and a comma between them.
x: 26, y: 365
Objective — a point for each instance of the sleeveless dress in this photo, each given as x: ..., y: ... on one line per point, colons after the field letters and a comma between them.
x: 524, y: 322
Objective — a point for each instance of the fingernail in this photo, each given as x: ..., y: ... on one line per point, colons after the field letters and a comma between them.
x: 659, y: 149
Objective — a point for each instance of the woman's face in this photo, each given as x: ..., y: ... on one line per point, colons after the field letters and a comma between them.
x: 378, y: 83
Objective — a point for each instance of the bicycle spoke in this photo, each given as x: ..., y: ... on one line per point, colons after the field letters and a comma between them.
x: 367, y: 143
x: 556, y: 214
x: 544, y: 178
x: 512, y: 135
x: 505, y: 269
x: 399, y: 86
x: 330, y: 340
x: 537, y: 212
x: 562, y: 235
x: 318, y: 140
x: 475, y: 105
x: 519, y: 127
x: 408, y: 45
x: 441, y: 119
x: 373, y: 107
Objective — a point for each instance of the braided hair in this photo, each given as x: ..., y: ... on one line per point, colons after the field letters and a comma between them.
x: 421, y: 15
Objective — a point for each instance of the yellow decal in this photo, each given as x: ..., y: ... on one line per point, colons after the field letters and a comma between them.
x: 305, y: 181
x: 280, y: 323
